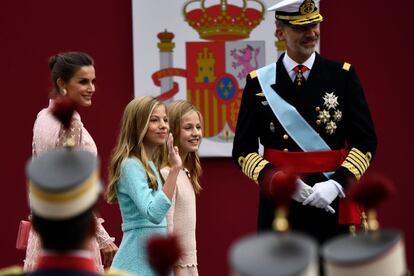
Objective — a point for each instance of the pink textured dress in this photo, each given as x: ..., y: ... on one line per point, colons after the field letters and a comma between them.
x: 181, y: 220
x: 47, y: 135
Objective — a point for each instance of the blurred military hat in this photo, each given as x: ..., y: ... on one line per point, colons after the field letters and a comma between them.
x: 297, y: 12
x: 381, y: 253
x: 63, y: 183
x: 275, y: 254
x: 375, y: 251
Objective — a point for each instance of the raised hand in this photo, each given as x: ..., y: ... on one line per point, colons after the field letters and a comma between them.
x: 174, y: 158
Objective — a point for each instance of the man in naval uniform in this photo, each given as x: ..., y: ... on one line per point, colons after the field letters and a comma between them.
x: 311, y: 116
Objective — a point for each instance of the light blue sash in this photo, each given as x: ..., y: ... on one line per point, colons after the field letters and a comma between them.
x: 291, y: 120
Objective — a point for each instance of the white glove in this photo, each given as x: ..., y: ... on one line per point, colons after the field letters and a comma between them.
x: 324, y: 193
x: 302, y: 192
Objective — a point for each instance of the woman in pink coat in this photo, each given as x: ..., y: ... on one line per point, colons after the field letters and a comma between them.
x: 73, y: 75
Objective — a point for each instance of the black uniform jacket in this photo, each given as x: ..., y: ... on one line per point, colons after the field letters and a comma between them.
x: 333, y: 103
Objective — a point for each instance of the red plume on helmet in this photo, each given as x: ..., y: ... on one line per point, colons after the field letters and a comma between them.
x: 63, y: 110
x: 281, y: 187
x: 163, y: 253
x: 372, y: 189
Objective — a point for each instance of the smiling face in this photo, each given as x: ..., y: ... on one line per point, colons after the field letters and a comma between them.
x: 81, y: 86
x: 158, y: 127
x: 300, y: 41
x: 190, y: 133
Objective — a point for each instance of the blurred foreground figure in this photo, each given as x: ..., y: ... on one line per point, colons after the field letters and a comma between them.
x: 279, y: 252
x: 375, y: 252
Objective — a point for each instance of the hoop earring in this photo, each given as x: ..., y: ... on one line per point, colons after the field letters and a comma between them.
x: 63, y: 92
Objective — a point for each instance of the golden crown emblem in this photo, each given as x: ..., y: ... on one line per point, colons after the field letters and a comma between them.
x: 224, y: 21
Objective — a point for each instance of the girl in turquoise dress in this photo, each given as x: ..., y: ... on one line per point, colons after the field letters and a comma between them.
x: 135, y: 182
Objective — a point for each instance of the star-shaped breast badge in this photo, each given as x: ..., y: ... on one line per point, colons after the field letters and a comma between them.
x: 330, y: 100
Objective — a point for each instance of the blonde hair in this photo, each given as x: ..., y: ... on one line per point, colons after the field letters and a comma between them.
x: 176, y: 111
x: 134, y: 126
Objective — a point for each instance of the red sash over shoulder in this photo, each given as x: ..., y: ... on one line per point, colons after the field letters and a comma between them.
x: 314, y: 162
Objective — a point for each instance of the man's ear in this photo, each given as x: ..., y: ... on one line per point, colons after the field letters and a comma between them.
x: 279, y: 35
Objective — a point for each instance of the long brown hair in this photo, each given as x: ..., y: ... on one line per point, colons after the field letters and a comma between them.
x: 134, y: 126
x: 176, y: 111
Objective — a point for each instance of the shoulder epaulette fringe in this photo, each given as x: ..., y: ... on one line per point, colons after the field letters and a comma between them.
x: 253, y: 74
x: 346, y: 66
x: 116, y: 272
x: 11, y: 271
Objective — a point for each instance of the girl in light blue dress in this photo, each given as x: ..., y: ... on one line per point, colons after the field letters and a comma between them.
x: 135, y: 182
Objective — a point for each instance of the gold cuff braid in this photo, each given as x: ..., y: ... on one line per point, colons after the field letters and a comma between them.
x: 357, y: 162
x: 252, y: 164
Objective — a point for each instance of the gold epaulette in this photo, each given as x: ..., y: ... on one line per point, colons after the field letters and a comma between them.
x: 252, y: 164
x: 253, y: 74
x: 346, y: 66
x: 11, y: 271
x: 116, y: 272
x: 357, y: 162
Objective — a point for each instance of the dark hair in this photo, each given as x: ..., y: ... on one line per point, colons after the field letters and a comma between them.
x: 65, y: 65
x: 280, y: 24
x: 65, y: 235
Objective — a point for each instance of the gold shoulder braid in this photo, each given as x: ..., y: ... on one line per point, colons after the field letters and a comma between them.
x: 253, y: 74
x: 116, y: 272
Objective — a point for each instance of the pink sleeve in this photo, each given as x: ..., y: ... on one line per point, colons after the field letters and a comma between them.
x: 45, y: 132
x: 170, y: 214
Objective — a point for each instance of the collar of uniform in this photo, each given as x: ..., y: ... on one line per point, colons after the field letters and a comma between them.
x: 289, y: 64
x: 72, y: 260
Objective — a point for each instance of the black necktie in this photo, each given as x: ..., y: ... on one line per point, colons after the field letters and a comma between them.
x: 299, y: 70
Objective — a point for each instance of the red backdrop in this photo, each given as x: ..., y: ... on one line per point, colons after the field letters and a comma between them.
x: 371, y: 37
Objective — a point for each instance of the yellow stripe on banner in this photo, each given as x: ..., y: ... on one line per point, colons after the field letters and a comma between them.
x: 189, y: 98
x: 215, y: 116
x: 206, y: 113
x: 66, y: 196
x: 197, y: 99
